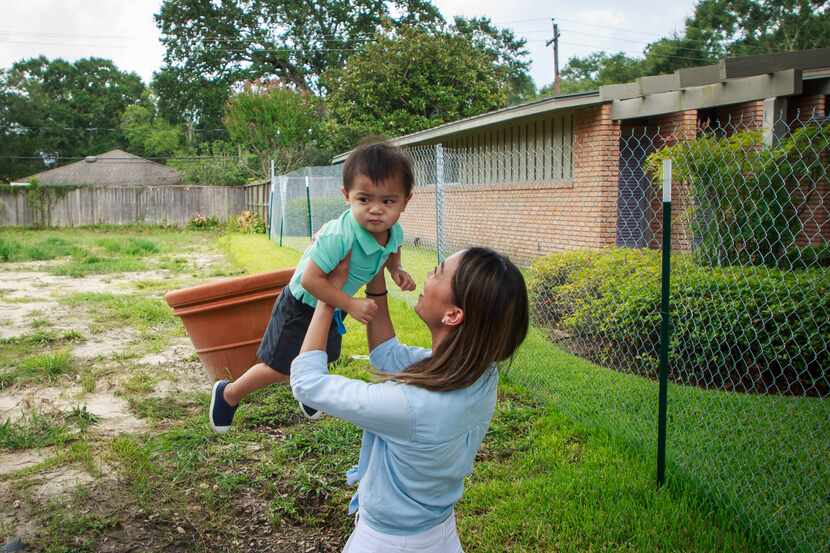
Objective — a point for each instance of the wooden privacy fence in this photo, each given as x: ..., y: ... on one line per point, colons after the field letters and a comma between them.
x: 89, y: 205
x: 257, y: 198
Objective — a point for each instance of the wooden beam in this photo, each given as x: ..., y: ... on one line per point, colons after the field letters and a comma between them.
x: 619, y: 91
x: 699, y: 76
x: 746, y: 66
x: 782, y: 83
x: 658, y: 84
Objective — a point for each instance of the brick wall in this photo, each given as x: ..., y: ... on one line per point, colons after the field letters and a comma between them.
x: 804, y: 106
x: 745, y: 115
x: 525, y: 221
x: 814, y: 211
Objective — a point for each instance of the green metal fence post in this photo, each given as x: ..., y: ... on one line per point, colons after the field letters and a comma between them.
x: 308, y: 205
x: 439, y: 202
x: 283, y: 195
x: 270, y: 207
x: 664, y: 326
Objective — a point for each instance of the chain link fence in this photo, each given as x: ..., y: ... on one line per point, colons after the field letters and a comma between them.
x: 748, y: 416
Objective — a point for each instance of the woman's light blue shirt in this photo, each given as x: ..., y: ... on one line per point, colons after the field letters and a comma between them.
x: 418, y: 445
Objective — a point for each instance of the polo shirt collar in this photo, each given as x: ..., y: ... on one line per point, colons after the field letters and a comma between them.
x: 367, y: 242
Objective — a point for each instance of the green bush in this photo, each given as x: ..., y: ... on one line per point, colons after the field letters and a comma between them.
x: 203, y: 222
x: 743, y: 328
x: 9, y: 250
x: 747, y: 200
x: 802, y: 257
x: 49, y: 248
x: 247, y: 222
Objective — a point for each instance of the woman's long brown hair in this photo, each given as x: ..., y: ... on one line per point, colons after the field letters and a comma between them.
x: 492, y: 293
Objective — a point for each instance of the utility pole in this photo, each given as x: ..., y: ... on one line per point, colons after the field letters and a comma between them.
x: 555, y: 42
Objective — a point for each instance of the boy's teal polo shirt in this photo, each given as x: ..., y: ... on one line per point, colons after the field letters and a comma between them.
x: 333, y: 243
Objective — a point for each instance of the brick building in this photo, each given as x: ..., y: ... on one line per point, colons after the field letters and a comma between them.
x: 566, y: 172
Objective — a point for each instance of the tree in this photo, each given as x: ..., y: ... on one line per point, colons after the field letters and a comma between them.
x: 69, y: 109
x: 716, y: 29
x: 508, y: 52
x: 148, y: 134
x: 595, y: 70
x: 274, y: 122
x: 224, y: 44
x: 194, y: 101
x: 412, y: 79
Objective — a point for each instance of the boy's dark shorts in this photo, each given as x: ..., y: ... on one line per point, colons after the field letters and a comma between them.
x: 286, y: 331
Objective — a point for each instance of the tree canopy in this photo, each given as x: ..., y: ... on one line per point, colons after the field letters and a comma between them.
x: 275, y: 122
x: 716, y: 29
x: 409, y: 79
x: 63, y: 108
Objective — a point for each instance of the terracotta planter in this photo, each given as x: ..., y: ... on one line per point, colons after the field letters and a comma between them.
x: 225, y: 319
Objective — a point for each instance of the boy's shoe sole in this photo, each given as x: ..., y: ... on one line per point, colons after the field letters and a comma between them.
x: 312, y: 417
x: 217, y: 428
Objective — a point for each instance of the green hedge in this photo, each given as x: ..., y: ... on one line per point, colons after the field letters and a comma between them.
x: 742, y: 328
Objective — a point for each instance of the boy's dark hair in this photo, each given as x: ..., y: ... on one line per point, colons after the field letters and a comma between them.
x: 379, y: 160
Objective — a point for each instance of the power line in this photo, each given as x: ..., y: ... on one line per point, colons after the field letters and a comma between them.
x: 672, y: 57
x: 127, y: 159
x: 92, y: 129
x: 283, y: 50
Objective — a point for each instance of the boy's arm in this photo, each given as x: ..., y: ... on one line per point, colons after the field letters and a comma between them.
x: 317, y: 283
x: 380, y: 328
x: 394, y: 261
x: 403, y: 279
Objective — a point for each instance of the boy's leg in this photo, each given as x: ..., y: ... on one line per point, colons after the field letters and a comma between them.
x: 258, y: 376
x: 226, y: 396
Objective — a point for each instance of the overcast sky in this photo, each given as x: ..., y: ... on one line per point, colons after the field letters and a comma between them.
x: 124, y: 30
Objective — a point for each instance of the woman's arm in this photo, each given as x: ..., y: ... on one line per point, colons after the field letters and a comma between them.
x: 379, y: 408
x: 380, y: 328
x: 319, y: 285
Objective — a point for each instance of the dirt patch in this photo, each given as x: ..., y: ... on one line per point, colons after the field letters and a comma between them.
x: 19, y: 460
x: 107, y: 344
x: 202, y: 261
x: 60, y: 482
x: 31, y: 284
x: 177, y: 369
x: 16, y: 318
x: 113, y: 413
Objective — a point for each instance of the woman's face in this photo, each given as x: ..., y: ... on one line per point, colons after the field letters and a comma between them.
x: 436, y: 297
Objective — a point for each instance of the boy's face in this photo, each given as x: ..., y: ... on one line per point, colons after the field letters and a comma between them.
x: 376, y: 206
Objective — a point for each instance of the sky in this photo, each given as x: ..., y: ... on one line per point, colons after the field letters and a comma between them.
x: 125, y: 32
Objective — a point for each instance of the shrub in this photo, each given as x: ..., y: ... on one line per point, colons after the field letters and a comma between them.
x: 743, y: 328
x: 9, y: 250
x: 802, y: 257
x: 247, y: 222
x: 747, y: 200
x: 202, y: 222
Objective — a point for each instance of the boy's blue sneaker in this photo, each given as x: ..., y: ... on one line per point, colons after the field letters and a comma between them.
x: 310, y: 412
x: 221, y: 412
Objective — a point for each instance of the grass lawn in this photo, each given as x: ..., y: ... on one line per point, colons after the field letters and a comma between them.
x: 568, y: 464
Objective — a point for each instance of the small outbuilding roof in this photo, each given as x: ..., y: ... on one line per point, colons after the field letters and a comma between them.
x: 113, y: 168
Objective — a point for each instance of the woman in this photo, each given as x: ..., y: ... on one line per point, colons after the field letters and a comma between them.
x: 424, y: 422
